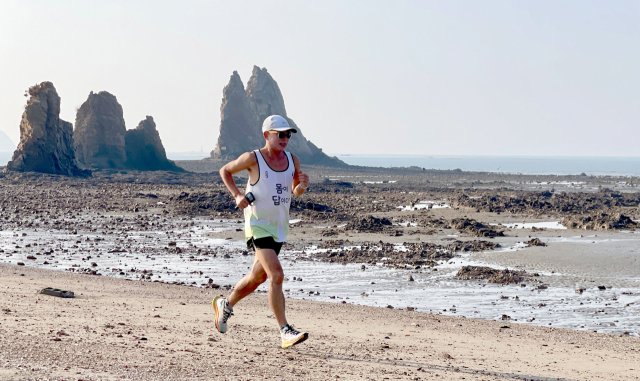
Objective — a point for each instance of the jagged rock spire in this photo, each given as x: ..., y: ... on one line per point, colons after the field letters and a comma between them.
x: 46, y: 142
x: 238, y: 133
x: 243, y: 112
x: 99, y: 132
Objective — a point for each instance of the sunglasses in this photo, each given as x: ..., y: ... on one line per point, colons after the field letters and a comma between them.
x: 282, y: 134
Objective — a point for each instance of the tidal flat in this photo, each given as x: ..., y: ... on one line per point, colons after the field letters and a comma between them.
x: 392, y: 240
x: 357, y: 236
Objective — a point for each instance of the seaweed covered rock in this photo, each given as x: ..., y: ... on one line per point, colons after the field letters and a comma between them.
x: 518, y: 202
x: 145, y: 151
x: 412, y: 254
x: 600, y: 221
x: 46, y: 141
x: 99, y: 134
x: 300, y: 205
x: 535, y: 242
x: 205, y: 203
x: 465, y: 246
x: 475, y: 228
x: 492, y: 275
x: 369, y: 224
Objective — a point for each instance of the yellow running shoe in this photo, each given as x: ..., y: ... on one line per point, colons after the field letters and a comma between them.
x: 223, y: 311
x: 291, y: 336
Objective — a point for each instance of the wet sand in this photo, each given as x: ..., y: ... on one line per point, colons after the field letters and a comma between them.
x: 117, y: 329
x: 582, y: 260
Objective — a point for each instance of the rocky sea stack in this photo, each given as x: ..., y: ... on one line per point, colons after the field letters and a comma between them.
x: 99, y: 133
x: 101, y: 139
x: 242, y: 114
x: 144, y: 149
x: 238, y: 132
x: 46, y: 141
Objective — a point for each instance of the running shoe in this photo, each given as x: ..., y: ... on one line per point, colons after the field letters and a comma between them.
x: 291, y: 336
x: 223, y: 311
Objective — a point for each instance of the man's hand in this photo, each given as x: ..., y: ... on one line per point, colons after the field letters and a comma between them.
x: 300, y: 179
x: 241, y: 201
x: 303, y: 183
x: 303, y: 179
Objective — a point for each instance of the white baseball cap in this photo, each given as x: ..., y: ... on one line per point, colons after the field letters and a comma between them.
x: 276, y: 123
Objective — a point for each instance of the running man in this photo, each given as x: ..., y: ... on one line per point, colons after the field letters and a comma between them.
x: 273, y: 176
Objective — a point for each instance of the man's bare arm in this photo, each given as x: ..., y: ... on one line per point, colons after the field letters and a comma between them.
x: 244, y: 162
x: 300, y: 179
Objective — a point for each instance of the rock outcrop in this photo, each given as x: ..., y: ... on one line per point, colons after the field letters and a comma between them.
x: 144, y: 149
x: 238, y: 133
x: 505, y: 276
x: 475, y: 228
x: 99, y: 133
x: 262, y: 97
x: 600, y: 221
x: 46, y: 141
x: 6, y: 145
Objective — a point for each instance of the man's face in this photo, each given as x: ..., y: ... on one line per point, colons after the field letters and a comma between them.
x: 278, y: 139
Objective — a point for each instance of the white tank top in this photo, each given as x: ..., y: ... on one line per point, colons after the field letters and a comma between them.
x: 268, y: 215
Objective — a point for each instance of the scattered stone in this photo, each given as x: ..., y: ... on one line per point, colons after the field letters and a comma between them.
x: 535, y: 242
x: 446, y: 356
x: 532, y: 202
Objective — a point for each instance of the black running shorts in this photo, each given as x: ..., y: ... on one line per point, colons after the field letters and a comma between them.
x: 264, y: 243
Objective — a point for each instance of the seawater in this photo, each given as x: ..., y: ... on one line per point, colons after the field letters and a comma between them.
x: 542, y: 165
x: 614, y: 311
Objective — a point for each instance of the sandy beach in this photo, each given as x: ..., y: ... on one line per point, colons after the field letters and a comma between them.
x: 119, y: 329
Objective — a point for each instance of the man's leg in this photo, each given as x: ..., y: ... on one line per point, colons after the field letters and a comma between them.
x: 248, y: 283
x: 270, y: 264
x: 223, y: 308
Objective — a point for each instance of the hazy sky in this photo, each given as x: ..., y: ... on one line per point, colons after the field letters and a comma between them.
x: 393, y: 77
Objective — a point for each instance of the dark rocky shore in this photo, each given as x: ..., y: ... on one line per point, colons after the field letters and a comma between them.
x: 337, y: 215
